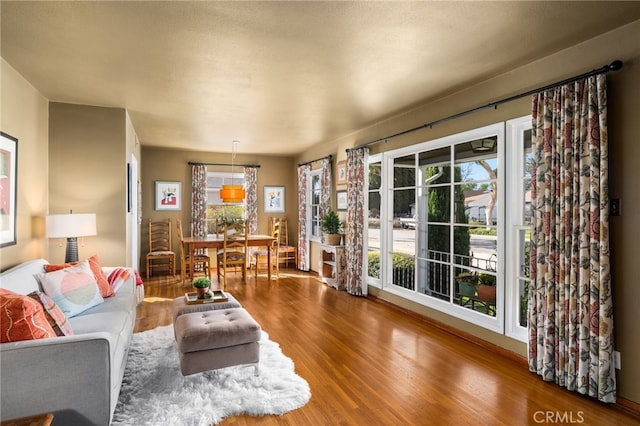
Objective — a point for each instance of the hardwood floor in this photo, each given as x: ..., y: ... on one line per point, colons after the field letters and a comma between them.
x: 370, y: 364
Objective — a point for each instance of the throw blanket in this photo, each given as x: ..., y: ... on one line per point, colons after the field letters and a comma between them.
x: 119, y: 275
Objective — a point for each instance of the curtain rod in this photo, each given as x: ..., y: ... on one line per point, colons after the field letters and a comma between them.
x: 613, y: 66
x: 192, y: 163
x: 317, y: 159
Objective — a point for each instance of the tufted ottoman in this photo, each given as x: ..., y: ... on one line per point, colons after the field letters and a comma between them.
x: 216, y: 339
x: 180, y: 306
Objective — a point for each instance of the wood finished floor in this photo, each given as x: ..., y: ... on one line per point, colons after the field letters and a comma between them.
x: 370, y: 364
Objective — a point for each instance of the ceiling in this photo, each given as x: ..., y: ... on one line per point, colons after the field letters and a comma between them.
x: 280, y: 77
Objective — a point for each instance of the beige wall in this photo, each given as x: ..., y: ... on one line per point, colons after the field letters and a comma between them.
x: 624, y: 133
x: 172, y: 165
x: 87, y: 174
x: 25, y: 116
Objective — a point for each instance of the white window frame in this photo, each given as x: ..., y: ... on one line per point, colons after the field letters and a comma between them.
x: 496, y: 323
x: 372, y: 281
x: 515, y: 131
x: 312, y: 237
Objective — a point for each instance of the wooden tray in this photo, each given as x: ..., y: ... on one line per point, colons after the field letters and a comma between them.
x: 218, y: 296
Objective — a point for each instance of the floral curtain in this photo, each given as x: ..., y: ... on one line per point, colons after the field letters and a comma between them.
x: 251, y: 198
x: 303, y: 238
x: 198, y: 200
x: 326, y: 186
x: 570, y: 304
x: 354, y: 237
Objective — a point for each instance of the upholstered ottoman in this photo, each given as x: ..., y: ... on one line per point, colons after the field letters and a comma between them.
x: 180, y: 306
x: 216, y: 339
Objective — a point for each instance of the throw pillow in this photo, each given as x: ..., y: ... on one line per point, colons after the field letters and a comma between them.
x: 55, y: 317
x: 22, y: 318
x: 105, y: 289
x: 73, y: 289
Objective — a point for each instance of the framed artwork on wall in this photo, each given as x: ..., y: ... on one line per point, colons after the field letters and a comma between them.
x: 342, y: 172
x: 341, y: 200
x: 8, y: 187
x: 168, y: 195
x: 274, y: 199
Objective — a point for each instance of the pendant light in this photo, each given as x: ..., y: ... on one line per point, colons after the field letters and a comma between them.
x: 232, y: 194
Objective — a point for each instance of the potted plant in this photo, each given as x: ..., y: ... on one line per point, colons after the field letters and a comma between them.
x: 332, y: 228
x: 487, y: 288
x: 467, y: 282
x: 202, y: 285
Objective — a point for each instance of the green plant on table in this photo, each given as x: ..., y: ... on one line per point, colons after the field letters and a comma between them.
x: 331, y: 223
x: 201, y: 282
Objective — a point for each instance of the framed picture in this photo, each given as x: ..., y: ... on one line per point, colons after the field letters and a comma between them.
x: 8, y: 185
x: 341, y: 200
x: 274, y: 199
x: 342, y: 172
x: 168, y: 195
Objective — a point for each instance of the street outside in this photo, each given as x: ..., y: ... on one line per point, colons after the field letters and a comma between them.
x: 404, y: 240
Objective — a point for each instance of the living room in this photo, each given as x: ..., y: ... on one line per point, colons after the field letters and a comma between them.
x: 75, y: 156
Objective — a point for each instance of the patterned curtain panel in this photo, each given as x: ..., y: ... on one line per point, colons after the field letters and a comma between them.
x: 251, y: 200
x: 303, y: 237
x: 354, y: 237
x: 326, y: 189
x: 570, y: 305
x: 198, y: 200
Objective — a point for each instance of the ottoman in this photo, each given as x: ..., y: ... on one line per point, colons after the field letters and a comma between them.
x: 180, y: 306
x: 216, y: 339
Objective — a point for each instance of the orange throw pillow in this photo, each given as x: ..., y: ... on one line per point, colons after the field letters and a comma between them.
x: 22, y: 318
x: 105, y: 289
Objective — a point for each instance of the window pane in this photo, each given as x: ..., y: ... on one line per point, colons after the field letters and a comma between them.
x: 439, y: 204
x: 375, y: 176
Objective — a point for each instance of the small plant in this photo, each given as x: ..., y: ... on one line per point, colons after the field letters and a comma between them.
x: 487, y: 279
x: 467, y: 277
x: 331, y: 223
x: 201, y: 282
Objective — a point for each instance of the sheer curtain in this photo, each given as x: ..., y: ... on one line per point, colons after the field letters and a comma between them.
x: 303, y: 238
x: 251, y: 198
x: 570, y: 305
x: 198, y: 200
x: 356, y: 169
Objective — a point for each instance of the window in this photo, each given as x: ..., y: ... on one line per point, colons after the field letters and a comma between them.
x: 519, y: 233
x: 315, y: 194
x: 216, y: 209
x: 439, y: 219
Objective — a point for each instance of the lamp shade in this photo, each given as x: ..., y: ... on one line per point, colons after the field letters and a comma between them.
x: 232, y: 193
x: 71, y: 225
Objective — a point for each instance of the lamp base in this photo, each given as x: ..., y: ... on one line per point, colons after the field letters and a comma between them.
x: 71, y: 254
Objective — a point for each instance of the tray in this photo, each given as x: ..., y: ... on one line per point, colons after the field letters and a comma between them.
x: 218, y: 296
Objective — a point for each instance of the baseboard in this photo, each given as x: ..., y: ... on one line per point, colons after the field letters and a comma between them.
x: 621, y: 404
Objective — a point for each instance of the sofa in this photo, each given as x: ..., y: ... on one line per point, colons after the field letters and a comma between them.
x: 75, y: 377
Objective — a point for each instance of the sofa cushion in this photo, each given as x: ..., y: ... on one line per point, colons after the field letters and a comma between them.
x: 22, y: 318
x: 73, y: 289
x: 101, y: 279
x: 55, y: 317
x: 22, y: 278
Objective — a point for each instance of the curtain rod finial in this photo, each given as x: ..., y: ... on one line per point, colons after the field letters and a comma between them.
x: 615, y: 65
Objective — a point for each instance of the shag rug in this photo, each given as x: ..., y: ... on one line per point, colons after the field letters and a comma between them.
x: 154, y: 392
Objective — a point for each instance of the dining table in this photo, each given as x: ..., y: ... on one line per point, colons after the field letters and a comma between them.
x: 217, y: 242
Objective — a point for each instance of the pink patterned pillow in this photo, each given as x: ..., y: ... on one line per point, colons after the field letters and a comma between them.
x: 56, y: 318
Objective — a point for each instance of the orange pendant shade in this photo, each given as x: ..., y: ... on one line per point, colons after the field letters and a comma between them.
x: 232, y: 193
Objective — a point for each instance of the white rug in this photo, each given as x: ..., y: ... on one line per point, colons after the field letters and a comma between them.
x: 154, y: 392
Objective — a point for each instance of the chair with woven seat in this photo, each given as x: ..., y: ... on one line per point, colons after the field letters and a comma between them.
x: 286, y: 252
x: 161, y: 254
x: 201, y: 262
x: 234, y: 253
x: 261, y: 259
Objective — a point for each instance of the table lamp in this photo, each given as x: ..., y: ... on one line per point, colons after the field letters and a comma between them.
x: 71, y: 226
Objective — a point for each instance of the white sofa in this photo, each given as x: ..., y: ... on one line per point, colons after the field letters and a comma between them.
x: 78, y: 377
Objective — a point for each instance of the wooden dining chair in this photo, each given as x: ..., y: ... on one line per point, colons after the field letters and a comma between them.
x: 260, y: 257
x: 286, y: 252
x: 234, y: 251
x: 202, y: 262
x: 161, y: 254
